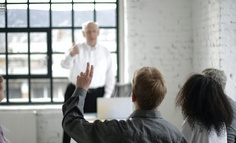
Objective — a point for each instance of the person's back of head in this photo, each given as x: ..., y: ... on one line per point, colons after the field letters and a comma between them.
x: 204, y: 103
x: 148, y: 88
x: 217, y: 75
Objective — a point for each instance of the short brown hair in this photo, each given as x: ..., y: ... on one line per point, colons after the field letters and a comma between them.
x: 148, y: 87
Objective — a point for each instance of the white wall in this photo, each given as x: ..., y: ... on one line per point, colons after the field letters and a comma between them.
x: 206, y: 37
x: 179, y: 38
x: 46, y: 119
x: 228, y: 44
x: 159, y: 34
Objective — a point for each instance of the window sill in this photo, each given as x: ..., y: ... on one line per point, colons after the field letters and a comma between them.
x: 31, y: 107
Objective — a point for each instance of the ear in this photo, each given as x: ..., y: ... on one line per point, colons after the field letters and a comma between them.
x: 83, y: 33
x: 133, y: 97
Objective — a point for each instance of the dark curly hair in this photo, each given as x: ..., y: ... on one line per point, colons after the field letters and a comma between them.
x: 203, y: 102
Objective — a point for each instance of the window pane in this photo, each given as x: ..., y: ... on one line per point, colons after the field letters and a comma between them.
x: 16, y: 1
x: 18, y: 90
x: 83, y: 13
x: 106, y: 14
x: 2, y: 15
x: 57, y: 70
x: 39, y: 15
x: 18, y: 64
x: 2, y: 64
x: 38, y: 42
x: 114, y: 62
x: 17, y: 43
x: 2, y: 1
x: 2, y: 43
x: 59, y: 88
x: 61, y: 15
x: 107, y: 37
x: 61, y: 40
x: 78, y: 35
x: 38, y: 64
x: 40, y: 90
x: 17, y: 15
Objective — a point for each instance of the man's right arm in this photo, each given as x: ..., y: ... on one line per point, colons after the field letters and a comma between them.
x: 67, y: 61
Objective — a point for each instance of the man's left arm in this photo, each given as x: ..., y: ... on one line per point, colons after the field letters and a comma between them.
x: 73, y: 121
x: 77, y: 127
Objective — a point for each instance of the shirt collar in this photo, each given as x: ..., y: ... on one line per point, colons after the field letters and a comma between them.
x: 146, y: 114
x: 93, y: 48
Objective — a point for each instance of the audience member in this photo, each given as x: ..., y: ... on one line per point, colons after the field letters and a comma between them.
x: 145, y: 124
x: 206, y: 110
x: 220, y: 77
x: 2, y: 90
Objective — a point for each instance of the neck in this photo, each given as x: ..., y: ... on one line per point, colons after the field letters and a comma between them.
x: 92, y: 45
x: 136, y: 107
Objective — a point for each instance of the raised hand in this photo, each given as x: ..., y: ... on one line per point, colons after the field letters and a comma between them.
x: 84, y: 79
x: 74, y: 50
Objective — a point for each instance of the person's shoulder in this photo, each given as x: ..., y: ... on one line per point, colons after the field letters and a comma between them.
x: 103, y: 49
x: 232, y: 102
x: 171, y: 127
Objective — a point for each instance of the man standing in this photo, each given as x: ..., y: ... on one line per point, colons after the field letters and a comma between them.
x: 220, y: 77
x: 76, y: 59
x: 145, y: 124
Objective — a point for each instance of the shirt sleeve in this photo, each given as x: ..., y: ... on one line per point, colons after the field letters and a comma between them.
x: 187, y: 131
x: 77, y: 127
x: 231, y: 135
x: 110, y: 79
x: 67, y: 61
x: 231, y: 130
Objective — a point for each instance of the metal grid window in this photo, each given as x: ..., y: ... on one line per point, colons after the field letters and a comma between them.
x: 34, y: 34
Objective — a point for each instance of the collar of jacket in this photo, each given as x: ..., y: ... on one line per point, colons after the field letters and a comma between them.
x: 145, y: 114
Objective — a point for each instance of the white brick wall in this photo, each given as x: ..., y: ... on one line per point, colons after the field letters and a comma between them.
x: 181, y: 37
x: 206, y: 17
x: 159, y: 34
x: 228, y: 44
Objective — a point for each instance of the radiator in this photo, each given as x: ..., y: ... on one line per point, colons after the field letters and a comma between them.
x: 19, y: 126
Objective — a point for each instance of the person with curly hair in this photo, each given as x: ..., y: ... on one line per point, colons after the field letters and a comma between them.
x: 206, y: 110
x: 220, y: 77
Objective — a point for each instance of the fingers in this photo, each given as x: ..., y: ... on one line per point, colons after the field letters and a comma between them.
x: 81, y: 74
x: 87, y: 69
x: 73, y: 43
x: 91, y: 72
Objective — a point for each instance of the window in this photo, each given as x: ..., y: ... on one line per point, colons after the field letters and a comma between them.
x: 34, y: 34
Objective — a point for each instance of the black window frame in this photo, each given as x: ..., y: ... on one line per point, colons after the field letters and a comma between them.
x: 48, y: 30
